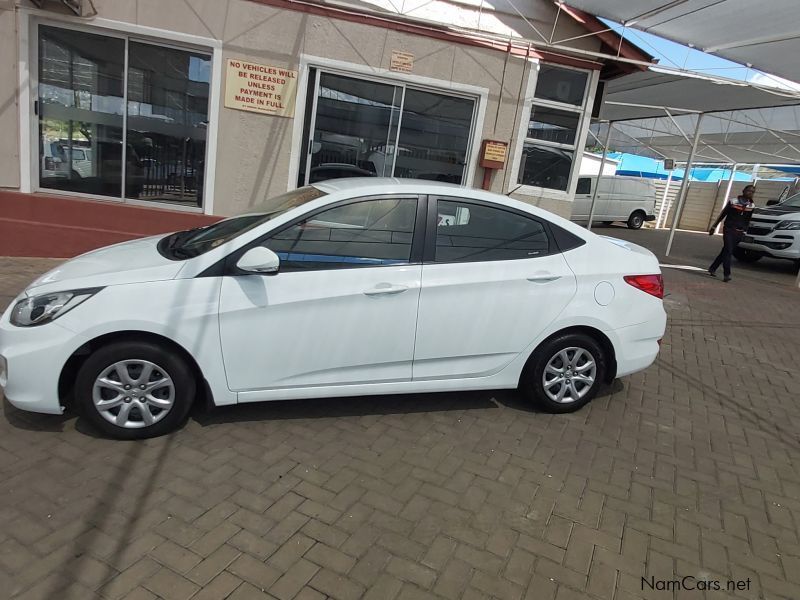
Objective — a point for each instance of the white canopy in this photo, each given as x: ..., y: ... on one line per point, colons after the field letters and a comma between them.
x: 655, y: 114
x: 762, y: 34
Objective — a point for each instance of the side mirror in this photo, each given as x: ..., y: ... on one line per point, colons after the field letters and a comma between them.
x: 773, y: 202
x: 259, y: 260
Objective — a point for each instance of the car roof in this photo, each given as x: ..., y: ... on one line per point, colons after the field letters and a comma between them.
x: 394, y: 184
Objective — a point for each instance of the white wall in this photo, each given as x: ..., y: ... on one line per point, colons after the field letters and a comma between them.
x: 590, y: 165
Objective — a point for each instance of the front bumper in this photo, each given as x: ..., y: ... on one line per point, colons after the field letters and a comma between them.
x: 778, y: 244
x: 34, y: 357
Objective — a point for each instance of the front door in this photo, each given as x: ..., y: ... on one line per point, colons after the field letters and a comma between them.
x: 495, y: 283
x: 343, y: 308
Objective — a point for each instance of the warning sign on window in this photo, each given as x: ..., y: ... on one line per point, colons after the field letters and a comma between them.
x: 260, y: 88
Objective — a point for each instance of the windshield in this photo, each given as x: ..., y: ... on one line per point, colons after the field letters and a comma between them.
x: 792, y: 201
x: 193, y: 242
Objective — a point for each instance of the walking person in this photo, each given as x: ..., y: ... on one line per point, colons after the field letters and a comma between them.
x: 736, y: 213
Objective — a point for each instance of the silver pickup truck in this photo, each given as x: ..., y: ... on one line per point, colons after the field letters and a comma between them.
x: 774, y: 231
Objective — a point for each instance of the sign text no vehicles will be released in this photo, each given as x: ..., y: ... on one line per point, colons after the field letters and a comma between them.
x: 260, y: 88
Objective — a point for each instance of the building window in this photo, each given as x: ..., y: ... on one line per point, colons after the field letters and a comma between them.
x: 367, y: 128
x: 553, y: 128
x: 137, y: 134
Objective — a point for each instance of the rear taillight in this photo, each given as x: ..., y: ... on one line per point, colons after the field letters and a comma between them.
x: 652, y: 284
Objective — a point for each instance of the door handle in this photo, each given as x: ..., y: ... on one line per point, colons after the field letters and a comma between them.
x: 544, y: 278
x: 385, y: 289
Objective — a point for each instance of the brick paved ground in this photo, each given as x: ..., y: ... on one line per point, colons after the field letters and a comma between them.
x: 691, y: 468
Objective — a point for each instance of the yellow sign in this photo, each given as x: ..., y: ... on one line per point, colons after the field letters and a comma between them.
x: 495, y: 152
x: 402, y: 61
x: 260, y: 88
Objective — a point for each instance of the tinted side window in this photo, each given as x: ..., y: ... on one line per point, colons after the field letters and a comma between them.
x: 360, y: 234
x: 584, y: 186
x: 469, y: 232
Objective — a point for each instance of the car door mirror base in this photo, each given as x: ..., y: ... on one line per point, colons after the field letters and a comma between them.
x: 259, y: 260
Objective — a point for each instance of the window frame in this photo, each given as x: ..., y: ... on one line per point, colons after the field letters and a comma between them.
x: 584, y: 112
x: 417, y: 237
x: 383, y: 75
x: 431, y: 224
x: 30, y: 160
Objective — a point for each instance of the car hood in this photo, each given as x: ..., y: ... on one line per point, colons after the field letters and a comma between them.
x: 129, y: 262
x: 778, y: 211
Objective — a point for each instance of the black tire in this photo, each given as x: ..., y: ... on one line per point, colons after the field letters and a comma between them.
x: 636, y: 220
x: 166, y: 366
x: 747, y: 256
x: 532, y: 383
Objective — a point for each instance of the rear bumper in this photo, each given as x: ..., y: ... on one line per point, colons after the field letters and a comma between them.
x: 636, y: 346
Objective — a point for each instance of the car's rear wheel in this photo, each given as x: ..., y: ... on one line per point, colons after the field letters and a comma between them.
x: 747, y: 256
x: 636, y: 220
x: 565, y: 373
x: 132, y: 390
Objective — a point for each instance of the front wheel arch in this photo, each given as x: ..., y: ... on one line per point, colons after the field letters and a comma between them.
x: 69, y: 372
x: 601, y: 338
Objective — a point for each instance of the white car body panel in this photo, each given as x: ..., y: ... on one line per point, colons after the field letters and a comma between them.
x: 332, y: 329
x: 453, y: 327
x: 475, y: 318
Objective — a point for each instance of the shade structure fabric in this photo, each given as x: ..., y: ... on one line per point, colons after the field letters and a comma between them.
x: 762, y: 34
x: 655, y: 114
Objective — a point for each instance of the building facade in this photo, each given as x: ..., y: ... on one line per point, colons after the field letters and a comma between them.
x: 209, y: 108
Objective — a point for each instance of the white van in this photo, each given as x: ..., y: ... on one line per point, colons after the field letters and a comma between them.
x: 628, y: 199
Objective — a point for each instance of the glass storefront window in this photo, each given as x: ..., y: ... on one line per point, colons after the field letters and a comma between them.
x: 81, y: 101
x: 167, y: 120
x: 434, y: 136
x: 365, y: 128
x: 84, y: 145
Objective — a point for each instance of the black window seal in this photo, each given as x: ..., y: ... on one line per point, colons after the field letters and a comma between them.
x: 227, y: 264
x: 431, y: 224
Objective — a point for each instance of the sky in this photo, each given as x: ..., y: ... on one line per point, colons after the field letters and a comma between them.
x: 671, y: 54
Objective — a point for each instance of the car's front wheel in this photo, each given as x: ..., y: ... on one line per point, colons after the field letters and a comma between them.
x: 565, y: 373
x: 134, y: 389
x: 747, y: 256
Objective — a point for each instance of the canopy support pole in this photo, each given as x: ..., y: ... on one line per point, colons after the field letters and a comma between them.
x: 727, y: 193
x: 684, y: 191
x: 599, y: 175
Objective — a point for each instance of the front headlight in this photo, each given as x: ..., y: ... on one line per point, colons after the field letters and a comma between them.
x: 788, y: 225
x: 38, y: 310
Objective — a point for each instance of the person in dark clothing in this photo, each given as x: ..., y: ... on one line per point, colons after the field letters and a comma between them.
x: 737, y: 213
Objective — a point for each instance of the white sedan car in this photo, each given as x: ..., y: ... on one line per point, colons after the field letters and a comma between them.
x: 350, y: 287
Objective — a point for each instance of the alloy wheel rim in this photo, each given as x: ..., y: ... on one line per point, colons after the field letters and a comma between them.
x: 569, y: 375
x: 133, y: 394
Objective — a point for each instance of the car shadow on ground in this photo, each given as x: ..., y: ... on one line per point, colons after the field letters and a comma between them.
x: 315, y: 408
x: 359, y: 406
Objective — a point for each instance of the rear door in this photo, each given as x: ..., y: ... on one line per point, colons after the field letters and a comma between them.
x: 492, y: 281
